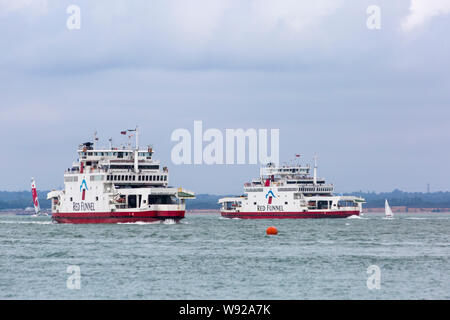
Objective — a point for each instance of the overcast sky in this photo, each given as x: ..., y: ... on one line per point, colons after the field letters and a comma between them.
x: 373, y: 104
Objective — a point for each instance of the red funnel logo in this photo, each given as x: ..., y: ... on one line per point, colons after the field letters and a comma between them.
x: 270, y: 195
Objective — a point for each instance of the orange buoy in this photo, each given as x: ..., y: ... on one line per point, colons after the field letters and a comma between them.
x: 272, y: 231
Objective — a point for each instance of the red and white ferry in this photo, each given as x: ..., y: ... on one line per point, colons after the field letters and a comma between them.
x: 289, y: 192
x: 117, y: 185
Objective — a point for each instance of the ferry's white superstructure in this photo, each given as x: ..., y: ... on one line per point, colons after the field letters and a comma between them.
x: 117, y: 185
x: 289, y: 192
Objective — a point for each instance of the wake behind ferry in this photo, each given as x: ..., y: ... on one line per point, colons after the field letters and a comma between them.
x: 117, y: 185
x: 289, y: 192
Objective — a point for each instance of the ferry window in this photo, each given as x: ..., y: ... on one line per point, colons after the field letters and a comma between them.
x: 71, y: 199
x: 134, y: 178
x: 126, y: 178
x: 157, y: 178
x: 322, y: 204
x: 139, y: 178
x: 165, y: 178
x: 123, y: 178
x: 96, y: 198
x: 132, y: 201
x: 146, y: 178
x: 151, y: 178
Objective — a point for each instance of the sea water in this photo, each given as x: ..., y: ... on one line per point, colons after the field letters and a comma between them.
x: 209, y: 257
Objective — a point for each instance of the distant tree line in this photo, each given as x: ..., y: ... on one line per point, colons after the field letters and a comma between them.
x: 406, y: 199
x: 23, y: 199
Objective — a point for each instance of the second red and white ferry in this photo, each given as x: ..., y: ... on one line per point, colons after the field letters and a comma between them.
x: 289, y: 192
x: 117, y: 185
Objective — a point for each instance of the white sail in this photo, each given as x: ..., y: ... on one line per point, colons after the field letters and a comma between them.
x: 389, y: 213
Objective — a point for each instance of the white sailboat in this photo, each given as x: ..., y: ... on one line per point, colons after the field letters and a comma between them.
x: 389, y: 214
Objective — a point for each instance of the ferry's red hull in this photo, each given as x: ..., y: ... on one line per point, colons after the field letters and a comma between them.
x: 117, y: 217
x: 290, y: 215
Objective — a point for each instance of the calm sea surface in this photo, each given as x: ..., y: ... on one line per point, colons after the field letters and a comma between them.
x: 208, y: 257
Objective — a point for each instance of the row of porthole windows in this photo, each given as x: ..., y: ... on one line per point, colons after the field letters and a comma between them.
x: 133, y: 178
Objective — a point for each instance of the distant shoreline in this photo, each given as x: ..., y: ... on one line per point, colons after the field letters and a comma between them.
x: 408, y: 210
x: 400, y: 201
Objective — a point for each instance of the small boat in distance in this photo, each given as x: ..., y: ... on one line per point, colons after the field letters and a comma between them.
x: 389, y: 214
x: 37, y: 207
